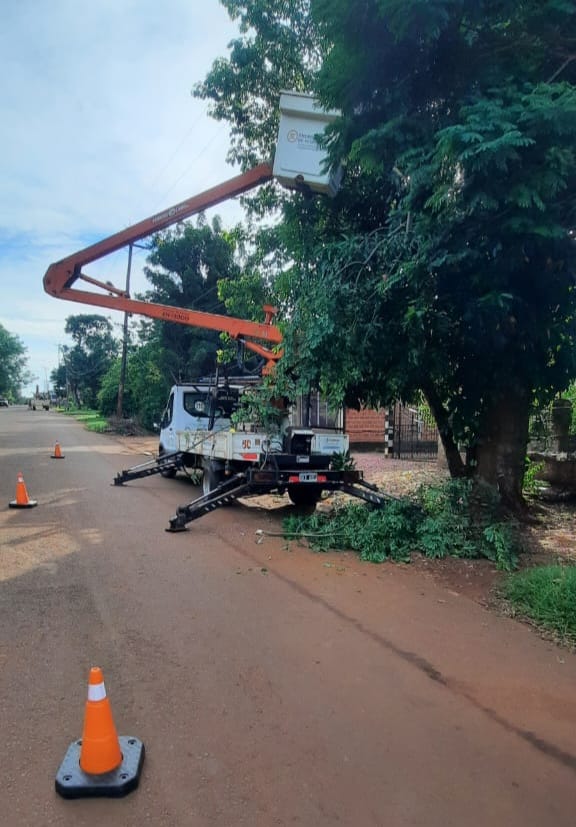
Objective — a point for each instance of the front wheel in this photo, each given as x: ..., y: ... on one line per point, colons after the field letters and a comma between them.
x: 170, y: 473
x: 212, y: 476
x: 304, y: 496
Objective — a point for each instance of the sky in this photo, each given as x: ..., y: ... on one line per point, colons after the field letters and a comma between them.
x: 98, y: 130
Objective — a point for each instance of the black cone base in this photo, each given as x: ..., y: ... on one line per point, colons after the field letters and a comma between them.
x: 73, y: 782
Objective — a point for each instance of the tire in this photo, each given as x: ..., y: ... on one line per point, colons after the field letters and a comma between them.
x: 304, y: 496
x: 212, y: 476
x: 171, y: 473
x: 191, y: 468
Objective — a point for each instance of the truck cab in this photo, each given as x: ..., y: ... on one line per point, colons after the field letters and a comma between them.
x: 205, y: 405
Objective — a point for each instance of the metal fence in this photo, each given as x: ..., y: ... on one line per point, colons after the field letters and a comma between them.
x: 411, y: 437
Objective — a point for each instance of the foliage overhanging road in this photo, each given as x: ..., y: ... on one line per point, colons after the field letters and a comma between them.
x: 270, y: 686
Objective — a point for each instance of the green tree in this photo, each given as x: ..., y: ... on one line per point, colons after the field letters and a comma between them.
x: 148, y: 385
x: 280, y: 48
x: 107, y: 396
x: 89, y: 359
x: 58, y: 380
x: 185, y: 267
x: 472, y: 107
x: 146, y: 389
x: 446, y: 263
x: 13, y: 361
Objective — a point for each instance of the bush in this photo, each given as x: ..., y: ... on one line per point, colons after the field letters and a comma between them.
x: 145, y: 392
x: 547, y: 595
x: 375, y: 535
x: 108, y: 393
x: 461, y: 518
x: 532, y: 484
x: 456, y: 518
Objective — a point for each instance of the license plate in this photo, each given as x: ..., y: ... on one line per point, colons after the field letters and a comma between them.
x: 308, y: 476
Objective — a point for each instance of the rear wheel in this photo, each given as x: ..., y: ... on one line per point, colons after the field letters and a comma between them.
x: 304, y: 496
x: 191, y: 468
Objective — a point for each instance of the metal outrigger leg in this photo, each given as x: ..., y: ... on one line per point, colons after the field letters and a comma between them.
x: 368, y: 492
x: 250, y: 482
x: 224, y: 494
x: 163, y: 463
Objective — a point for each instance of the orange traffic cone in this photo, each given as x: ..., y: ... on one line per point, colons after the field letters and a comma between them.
x: 102, y: 763
x: 22, y: 499
x: 100, y: 747
x: 57, y: 452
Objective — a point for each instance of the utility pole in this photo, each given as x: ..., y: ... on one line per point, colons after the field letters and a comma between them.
x: 122, y: 383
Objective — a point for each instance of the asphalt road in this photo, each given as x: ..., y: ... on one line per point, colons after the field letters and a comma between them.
x: 270, y: 685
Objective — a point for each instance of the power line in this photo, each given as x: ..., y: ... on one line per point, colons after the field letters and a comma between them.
x: 192, y: 162
x: 176, y: 151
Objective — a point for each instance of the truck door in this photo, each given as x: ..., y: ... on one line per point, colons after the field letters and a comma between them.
x: 167, y: 430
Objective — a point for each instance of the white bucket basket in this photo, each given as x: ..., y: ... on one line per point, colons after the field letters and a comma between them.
x: 299, y: 158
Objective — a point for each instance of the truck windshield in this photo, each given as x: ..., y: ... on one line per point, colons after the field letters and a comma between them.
x: 197, y: 403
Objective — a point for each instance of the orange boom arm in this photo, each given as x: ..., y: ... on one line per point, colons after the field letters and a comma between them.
x: 61, y: 276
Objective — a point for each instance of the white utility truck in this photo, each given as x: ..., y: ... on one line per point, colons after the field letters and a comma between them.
x: 198, y: 427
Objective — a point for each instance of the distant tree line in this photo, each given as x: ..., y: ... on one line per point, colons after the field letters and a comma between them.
x: 13, y: 365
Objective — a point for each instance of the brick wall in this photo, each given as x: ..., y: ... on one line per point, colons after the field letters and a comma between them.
x: 366, y: 427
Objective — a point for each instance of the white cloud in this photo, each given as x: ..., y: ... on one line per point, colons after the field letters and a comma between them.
x: 98, y: 130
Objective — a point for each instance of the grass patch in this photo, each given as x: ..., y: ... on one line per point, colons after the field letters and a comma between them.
x: 455, y: 518
x: 91, y: 419
x: 547, y: 596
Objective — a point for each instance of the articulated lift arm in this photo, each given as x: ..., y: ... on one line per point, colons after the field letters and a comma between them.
x: 61, y: 276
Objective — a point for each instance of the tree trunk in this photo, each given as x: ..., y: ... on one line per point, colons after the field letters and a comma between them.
x: 75, y: 394
x: 501, y: 448
x: 456, y: 466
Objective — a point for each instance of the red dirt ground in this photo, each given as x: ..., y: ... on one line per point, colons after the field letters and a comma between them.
x: 551, y: 537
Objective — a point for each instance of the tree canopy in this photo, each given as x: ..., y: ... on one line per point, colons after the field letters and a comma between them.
x: 280, y: 48
x: 446, y: 263
x: 186, y: 268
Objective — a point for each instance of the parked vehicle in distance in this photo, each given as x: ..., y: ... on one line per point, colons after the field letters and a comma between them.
x: 4, y: 402
x: 40, y: 400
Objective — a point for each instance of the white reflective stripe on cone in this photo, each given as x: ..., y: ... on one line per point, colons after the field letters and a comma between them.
x: 96, y: 692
